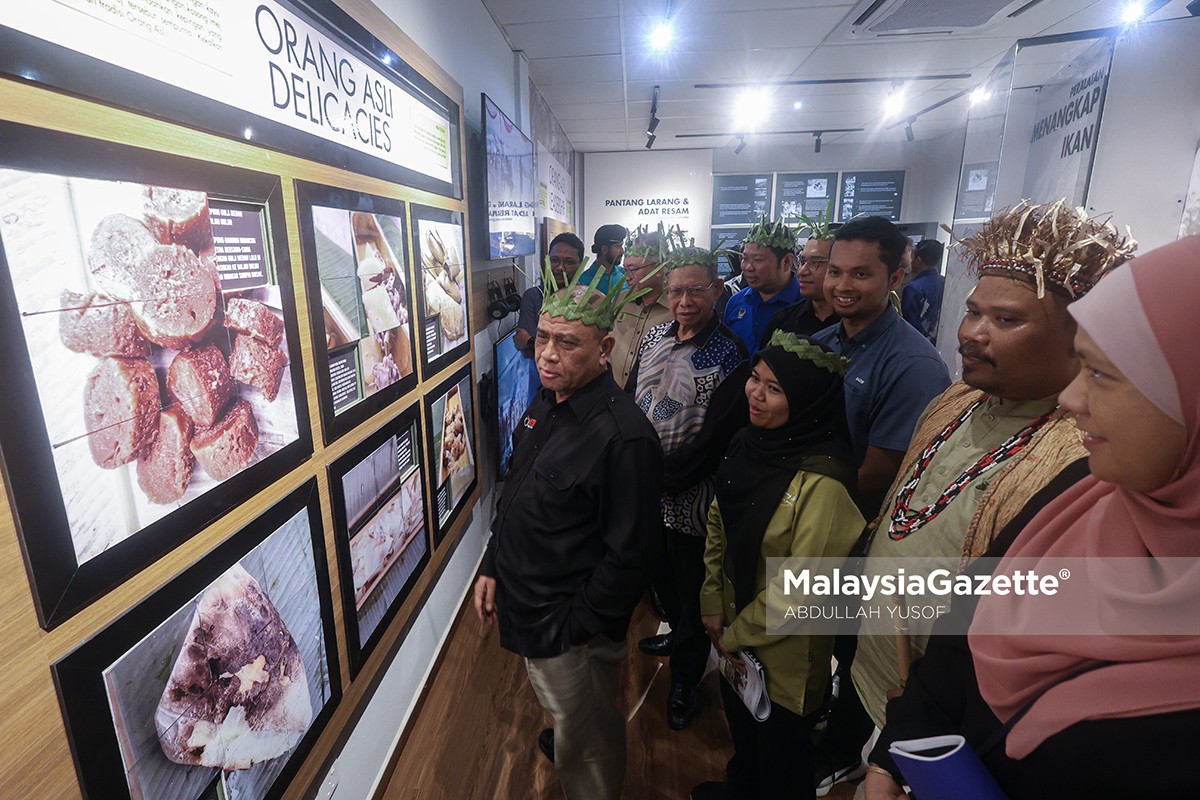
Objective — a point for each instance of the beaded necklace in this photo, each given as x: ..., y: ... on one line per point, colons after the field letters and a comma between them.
x: 906, y: 520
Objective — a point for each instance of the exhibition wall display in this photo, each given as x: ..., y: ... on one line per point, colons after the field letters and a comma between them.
x: 225, y: 675
x: 516, y: 382
x: 174, y: 299
x: 360, y: 300
x: 510, y: 179
x: 381, y: 528
x: 152, y: 357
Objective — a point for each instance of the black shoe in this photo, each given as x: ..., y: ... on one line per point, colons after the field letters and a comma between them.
x: 660, y: 645
x: 546, y: 743
x: 682, y: 704
x: 711, y: 790
x: 832, y: 768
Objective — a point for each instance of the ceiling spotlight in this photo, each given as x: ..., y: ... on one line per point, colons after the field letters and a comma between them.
x: 650, y: 141
x: 661, y: 37
x: 908, y: 131
x: 653, y: 125
x: 980, y: 95
x: 894, y: 104
x: 817, y: 146
x: 796, y: 106
x: 741, y: 146
x: 752, y: 108
x: 1133, y: 13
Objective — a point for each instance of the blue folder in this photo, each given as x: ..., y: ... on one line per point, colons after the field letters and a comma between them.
x: 944, y: 768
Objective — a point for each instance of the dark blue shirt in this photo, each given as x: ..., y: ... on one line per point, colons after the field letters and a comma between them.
x: 747, y: 314
x: 922, y: 303
x: 894, y: 372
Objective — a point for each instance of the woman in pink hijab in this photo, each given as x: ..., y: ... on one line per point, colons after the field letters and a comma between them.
x: 1094, y: 715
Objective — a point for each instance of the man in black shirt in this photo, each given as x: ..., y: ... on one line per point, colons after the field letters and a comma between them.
x: 814, y: 312
x: 577, y: 526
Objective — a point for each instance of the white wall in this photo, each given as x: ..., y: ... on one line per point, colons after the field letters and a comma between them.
x: 1149, y: 131
x: 644, y: 177
x: 461, y: 37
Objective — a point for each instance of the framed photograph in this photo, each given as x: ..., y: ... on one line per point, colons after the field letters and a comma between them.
x: 381, y: 528
x: 444, y: 322
x: 222, y: 678
x: 450, y: 416
x: 359, y: 302
x: 150, y: 353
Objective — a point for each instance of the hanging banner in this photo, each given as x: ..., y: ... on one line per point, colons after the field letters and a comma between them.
x: 1066, y: 125
x: 556, y: 187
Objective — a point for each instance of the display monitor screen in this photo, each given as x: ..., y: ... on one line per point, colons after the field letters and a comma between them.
x: 516, y: 382
x: 510, y: 185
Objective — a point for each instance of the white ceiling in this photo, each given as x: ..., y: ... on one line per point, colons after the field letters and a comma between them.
x: 591, y: 61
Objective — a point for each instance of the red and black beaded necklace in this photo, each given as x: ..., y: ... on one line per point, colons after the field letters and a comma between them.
x: 906, y: 520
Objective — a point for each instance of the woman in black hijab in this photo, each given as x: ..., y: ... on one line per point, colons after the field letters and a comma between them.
x: 783, y: 490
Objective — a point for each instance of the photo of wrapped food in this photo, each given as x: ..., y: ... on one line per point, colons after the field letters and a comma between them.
x: 158, y: 350
x: 452, y: 421
x: 360, y: 259
x: 438, y: 239
x: 380, y: 527
x: 227, y: 685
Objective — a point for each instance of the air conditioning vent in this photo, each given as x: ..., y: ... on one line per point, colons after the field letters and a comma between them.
x: 891, y: 18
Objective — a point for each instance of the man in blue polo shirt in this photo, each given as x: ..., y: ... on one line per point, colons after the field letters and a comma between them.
x: 894, y: 371
x: 768, y: 273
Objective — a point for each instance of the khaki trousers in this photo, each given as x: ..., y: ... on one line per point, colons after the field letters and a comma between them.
x: 579, y: 690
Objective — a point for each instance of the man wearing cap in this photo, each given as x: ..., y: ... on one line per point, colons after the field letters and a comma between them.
x: 768, y: 267
x: 609, y: 246
x: 566, y: 566
x: 986, y: 445
x: 643, y: 256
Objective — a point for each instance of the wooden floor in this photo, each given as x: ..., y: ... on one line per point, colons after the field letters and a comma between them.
x: 475, y: 735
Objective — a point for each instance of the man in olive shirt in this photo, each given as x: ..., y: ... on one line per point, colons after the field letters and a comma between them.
x: 643, y: 255
x: 566, y: 566
x: 1000, y: 427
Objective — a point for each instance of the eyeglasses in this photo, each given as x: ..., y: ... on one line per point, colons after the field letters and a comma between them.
x: 564, y: 262
x: 812, y: 262
x: 676, y: 292
x: 642, y: 268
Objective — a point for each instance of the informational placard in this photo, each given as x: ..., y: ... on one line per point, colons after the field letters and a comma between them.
x: 1065, y: 128
x: 441, y: 285
x: 239, y: 249
x: 673, y: 187
x: 872, y: 194
x: 450, y: 420
x: 808, y: 194
x: 740, y: 199
x: 270, y: 59
x: 977, y: 190
x: 727, y: 239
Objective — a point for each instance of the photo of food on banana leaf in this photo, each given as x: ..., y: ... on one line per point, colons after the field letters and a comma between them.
x: 155, y: 330
x: 222, y: 685
x: 452, y: 423
x: 364, y: 298
x: 438, y: 239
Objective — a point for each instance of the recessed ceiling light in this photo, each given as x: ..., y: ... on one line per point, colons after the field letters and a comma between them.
x: 980, y: 95
x: 1133, y: 13
x: 662, y: 36
x: 797, y: 105
x: 894, y: 104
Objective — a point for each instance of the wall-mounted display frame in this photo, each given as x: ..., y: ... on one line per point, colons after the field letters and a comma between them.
x: 443, y: 327
x: 300, y: 76
x: 151, y: 354
x: 740, y: 199
x: 226, y: 675
x: 453, y: 462
x: 360, y: 301
x: 871, y: 193
x: 517, y: 382
x: 810, y: 194
x: 727, y: 239
x: 381, y: 528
